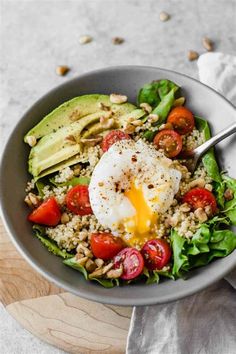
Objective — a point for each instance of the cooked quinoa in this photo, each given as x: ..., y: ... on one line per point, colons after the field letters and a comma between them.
x: 78, y: 228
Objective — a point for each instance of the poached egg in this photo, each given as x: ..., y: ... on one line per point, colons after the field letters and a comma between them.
x: 130, y: 187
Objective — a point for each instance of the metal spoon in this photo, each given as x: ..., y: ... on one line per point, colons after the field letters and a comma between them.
x: 200, y: 150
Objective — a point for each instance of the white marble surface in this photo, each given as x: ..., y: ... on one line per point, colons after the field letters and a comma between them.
x: 36, y: 36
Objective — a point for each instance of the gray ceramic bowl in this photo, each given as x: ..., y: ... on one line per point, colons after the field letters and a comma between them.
x: 127, y: 80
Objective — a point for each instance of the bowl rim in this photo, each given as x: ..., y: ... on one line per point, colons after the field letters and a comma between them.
x: 55, y: 279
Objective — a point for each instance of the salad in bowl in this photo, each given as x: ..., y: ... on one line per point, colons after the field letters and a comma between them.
x: 112, y: 192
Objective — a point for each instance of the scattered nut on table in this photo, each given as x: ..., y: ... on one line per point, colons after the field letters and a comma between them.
x: 117, y: 40
x: 192, y: 55
x: 62, y: 70
x: 207, y: 44
x: 164, y: 16
x: 85, y: 39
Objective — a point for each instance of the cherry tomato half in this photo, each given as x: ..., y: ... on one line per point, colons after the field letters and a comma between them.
x: 112, y: 137
x: 156, y: 254
x: 106, y: 246
x: 48, y: 213
x: 132, y: 262
x: 182, y: 120
x: 77, y: 200
x: 170, y: 141
x: 200, y: 198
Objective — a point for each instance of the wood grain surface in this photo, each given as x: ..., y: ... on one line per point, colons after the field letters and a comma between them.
x: 57, y: 317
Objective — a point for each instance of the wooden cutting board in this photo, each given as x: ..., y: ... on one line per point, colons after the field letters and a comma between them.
x: 55, y: 316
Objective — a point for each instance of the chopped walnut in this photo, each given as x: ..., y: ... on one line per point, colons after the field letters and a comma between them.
x: 166, y: 126
x: 199, y: 182
x: 200, y: 215
x: 114, y: 273
x: 96, y: 274
x: 107, y: 267
x: 153, y: 118
x: 65, y: 218
x: 228, y: 194
x: 146, y: 107
x: 118, y: 99
x: 90, y: 265
x: 129, y: 129
x: 91, y: 141
x: 137, y: 123
x: 99, y: 262
x: 31, y: 140
x: 32, y: 200
x: 185, y: 207
x: 82, y: 261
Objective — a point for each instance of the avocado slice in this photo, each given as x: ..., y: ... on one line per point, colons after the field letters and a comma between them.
x: 55, y: 149
x: 73, y: 110
x: 98, y: 128
x: 78, y: 158
x: 93, y: 129
x: 59, y: 146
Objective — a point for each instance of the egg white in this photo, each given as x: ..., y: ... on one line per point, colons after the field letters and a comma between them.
x: 132, y: 181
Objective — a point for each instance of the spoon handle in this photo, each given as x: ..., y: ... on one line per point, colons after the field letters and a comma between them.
x: 216, y: 139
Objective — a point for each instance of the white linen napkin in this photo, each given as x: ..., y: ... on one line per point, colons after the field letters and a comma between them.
x: 203, y: 323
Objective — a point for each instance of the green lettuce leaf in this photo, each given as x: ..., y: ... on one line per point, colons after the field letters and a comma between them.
x: 209, y: 160
x: 154, y: 92
x: 51, y: 245
x: 162, y: 110
x: 107, y: 283
x: 161, y: 96
x: 153, y: 278
x: 230, y: 206
x: 164, y: 107
x: 180, y: 258
x: 72, y: 182
x: 72, y: 262
x: 149, y: 135
x: 207, y: 244
x: 200, y: 241
x: 40, y: 184
x: 210, y: 163
x: 222, y: 243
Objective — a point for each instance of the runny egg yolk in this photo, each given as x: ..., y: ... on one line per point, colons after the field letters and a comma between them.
x: 139, y: 225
